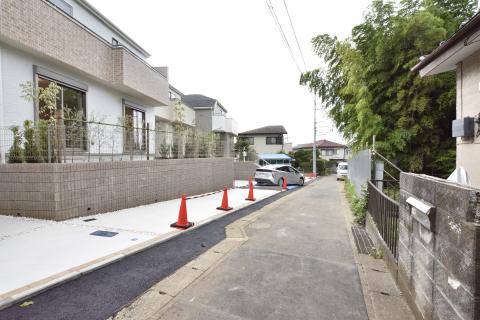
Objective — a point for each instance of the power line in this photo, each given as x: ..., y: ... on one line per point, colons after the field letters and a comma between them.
x: 295, y: 34
x: 285, y: 40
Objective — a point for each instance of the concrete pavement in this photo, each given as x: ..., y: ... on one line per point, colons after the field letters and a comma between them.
x: 297, y: 264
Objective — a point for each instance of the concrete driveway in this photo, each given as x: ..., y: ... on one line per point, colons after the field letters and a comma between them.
x: 297, y: 264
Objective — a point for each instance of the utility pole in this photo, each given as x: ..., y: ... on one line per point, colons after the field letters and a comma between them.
x: 314, y: 149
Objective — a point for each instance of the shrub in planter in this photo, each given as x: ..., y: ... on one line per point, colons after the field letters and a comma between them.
x: 15, y: 154
x: 32, y: 153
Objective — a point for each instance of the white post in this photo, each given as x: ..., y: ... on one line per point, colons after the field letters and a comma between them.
x: 314, y: 149
x: 2, y: 121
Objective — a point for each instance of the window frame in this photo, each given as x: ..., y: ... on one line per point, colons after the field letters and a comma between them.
x: 276, y: 140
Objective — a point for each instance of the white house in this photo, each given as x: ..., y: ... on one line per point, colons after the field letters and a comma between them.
x: 268, y: 140
x: 461, y: 54
x: 327, y: 150
x: 102, y: 72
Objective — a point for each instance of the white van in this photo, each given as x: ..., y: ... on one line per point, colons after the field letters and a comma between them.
x: 342, y: 170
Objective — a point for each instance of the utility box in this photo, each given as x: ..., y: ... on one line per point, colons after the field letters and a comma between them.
x: 463, y: 128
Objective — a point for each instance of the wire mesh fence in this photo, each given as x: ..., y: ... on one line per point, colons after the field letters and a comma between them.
x: 83, y: 141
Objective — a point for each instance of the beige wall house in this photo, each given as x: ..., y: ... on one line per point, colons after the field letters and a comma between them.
x: 461, y: 54
x: 102, y: 72
x: 327, y: 150
x: 269, y: 139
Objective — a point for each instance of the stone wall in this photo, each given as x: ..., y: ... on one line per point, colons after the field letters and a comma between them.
x: 438, y: 255
x: 64, y: 191
x: 244, y: 170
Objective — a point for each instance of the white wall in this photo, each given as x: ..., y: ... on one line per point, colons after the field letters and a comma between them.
x: 468, y: 97
x: 339, y: 156
x: 97, y: 26
x: 260, y: 144
x: 17, y: 68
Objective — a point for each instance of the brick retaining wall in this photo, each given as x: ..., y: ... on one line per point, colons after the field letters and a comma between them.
x: 64, y: 191
x: 244, y: 170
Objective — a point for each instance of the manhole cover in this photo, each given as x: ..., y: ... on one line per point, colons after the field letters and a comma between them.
x: 102, y: 233
x: 259, y: 225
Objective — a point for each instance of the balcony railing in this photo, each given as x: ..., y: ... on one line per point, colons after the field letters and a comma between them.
x: 42, y: 29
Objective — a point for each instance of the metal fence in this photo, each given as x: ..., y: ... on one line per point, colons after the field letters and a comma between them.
x: 81, y: 141
x: 360, y: 170
x: 384, y: 211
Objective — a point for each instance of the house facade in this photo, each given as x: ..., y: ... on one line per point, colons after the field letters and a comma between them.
x: 327, y: 150
x: 267, y: 140
x: 461, y: 54
x: 211, y: 116
x: 176, y: 110
x: 102, y: 73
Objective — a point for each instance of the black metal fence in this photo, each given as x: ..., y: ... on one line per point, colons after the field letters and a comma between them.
x: 384, y: 211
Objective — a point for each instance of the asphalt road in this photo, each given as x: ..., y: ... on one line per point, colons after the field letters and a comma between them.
x: 102, y: 293
x: 297, y: 264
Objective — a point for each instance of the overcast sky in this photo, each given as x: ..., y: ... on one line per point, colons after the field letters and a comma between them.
x: 232, y: 51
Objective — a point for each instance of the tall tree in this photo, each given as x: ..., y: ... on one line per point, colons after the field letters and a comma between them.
x: 368, y: 88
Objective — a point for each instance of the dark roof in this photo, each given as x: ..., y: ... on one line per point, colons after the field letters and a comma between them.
x: 199, y: 101
x: 461, y: 33
x: 320, y: 144
x: 266, y: 130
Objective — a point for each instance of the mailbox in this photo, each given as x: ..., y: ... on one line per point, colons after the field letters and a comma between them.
x: 423, y: 212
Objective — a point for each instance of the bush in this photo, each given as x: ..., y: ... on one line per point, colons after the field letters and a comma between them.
x: 357, y: 204
x: 15, y: 154
x: 32, y: 152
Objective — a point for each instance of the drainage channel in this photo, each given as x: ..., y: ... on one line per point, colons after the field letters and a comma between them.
x: 103, y: 292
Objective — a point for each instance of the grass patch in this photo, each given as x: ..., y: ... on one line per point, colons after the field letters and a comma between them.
x: 358, y: 205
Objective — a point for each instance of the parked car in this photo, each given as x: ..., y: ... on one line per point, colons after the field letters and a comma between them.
x: 342, y: 170
x: 276, y: 174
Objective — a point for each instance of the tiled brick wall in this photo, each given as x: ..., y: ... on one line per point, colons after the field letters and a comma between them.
x: 438, y: 269
x: 36, y: 26
x: 244, y: 170
x: 64, y: 191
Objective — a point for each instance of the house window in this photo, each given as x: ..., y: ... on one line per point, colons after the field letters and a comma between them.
x: 274, y: 140
x: 71, y: 105
x: 134, y: 129
x: 250, y: 140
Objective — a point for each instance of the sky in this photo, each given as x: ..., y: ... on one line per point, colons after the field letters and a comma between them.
x: 233, y: 51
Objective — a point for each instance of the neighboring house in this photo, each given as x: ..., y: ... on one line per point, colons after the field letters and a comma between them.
x: 176, y: 110
x: 461, y: 53
x: 327, y: 150
x: 269, y: 139
x: 211, y: 115
x: 101, y: 71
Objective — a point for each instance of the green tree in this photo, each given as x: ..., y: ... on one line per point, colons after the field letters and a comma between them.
x: 369, y: 90
x: 241, y: 146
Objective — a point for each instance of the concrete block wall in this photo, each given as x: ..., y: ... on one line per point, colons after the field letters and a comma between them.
x: 244, y: 170
x: 64, y: 191
x: 438, y: 267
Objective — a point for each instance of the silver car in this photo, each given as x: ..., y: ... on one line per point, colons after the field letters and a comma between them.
x: 277, y: 173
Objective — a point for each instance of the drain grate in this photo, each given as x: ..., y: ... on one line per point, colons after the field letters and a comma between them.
x: 362, y: 240
x: 88, y: 220
x: 102, y: 233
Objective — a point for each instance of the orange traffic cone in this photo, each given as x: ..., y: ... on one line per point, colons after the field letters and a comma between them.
x: 224, y: 205
x: 182, y: 222
x: 284, y: 184
x: 250, y: 191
